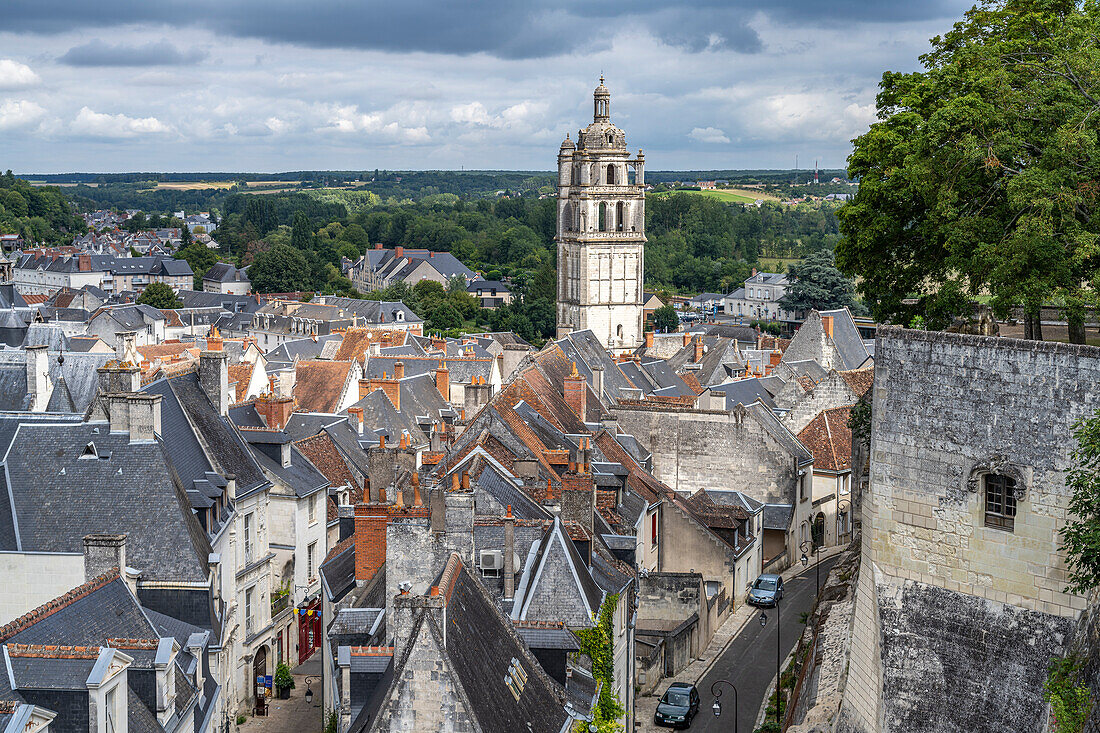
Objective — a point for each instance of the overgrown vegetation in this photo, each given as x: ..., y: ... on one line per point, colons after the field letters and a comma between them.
x: 1069, y: 698
x: 1081, y: 532
x: 598, y: 643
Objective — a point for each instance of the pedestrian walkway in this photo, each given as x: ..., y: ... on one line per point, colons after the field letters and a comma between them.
x: 294, y: 715
x: 646, y: 705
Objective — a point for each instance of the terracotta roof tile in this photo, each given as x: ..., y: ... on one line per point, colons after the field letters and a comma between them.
x: 319, y: 384
x: 860, y: 380
x: 829, y: 438
x: 242, y: 375
x: 322, y: 453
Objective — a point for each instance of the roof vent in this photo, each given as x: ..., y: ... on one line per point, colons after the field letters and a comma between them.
x: 89, y: 452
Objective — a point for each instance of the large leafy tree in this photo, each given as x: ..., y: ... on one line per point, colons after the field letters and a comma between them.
x: 665, y: 319
x: 200, y: 258
x: 818, y: 285
x: 282, y: 269
x: 981, y: 175
x: 159, y: 295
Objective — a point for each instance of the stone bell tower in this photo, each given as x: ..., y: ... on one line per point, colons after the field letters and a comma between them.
x: 601, y: 232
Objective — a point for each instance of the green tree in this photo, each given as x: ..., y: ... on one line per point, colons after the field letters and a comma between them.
x: 665, y: 319
x: 185, y: 235
x: 1081, y: 533
x: 981, y: 175
x: 818, y: 285
x: 160, y: 296
x: 301, y: 233
x: 200, y: 258
x: 444, y: 316
x: 282, y: 269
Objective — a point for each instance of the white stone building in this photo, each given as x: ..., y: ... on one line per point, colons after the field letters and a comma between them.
x: 601, y: 232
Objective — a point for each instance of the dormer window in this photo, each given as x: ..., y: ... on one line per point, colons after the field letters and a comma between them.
x: 89, y: 452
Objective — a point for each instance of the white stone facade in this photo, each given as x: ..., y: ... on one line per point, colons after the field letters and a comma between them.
x: 601, y: 232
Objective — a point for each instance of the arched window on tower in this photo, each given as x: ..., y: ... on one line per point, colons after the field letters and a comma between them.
x: 567, y: 217
x: 619, y: 216
x: 611, y: 174
x: 603, y: 217
x: 594, y: 175
x: 573, y: 175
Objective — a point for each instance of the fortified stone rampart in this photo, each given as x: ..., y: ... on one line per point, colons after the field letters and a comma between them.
x: 958, y: 615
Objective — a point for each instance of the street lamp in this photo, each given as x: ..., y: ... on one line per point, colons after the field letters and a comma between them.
x: 717, y: 706
x: 842, y: 508
x: 309, y: 690
x: 778, y: 653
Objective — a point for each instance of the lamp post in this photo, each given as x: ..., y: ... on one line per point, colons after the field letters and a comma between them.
x: 807, y: 547
x: 778, y: 654
x: 840, y: 511
x: 309, y: 690
x: 717, y: 706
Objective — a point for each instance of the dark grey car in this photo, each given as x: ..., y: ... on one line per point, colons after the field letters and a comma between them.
x: 766, y: 591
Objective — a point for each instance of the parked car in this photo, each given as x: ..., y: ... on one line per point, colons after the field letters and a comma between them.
x: 766, y: 590
x: 678, y: 706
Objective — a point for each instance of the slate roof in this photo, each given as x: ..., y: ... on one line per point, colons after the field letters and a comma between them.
x: 338, y: 572
x: 780, y: 433
x: 224, y: 272
x: 777, y: 516
x: 847, y: 339
x: 745, y: 392
x: 829, y: 438
x: 542, y: 635
x: 556, y: 546
x: 60, y: 497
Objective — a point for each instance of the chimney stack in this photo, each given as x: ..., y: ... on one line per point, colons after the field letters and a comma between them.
x: 102, y: 552
x: 214, y: 379
x: 399, y: 370
x: 649, y: 339
x: 356, y: 418
x: 698, y: 349
x: 827, y: 325
x: 687, y: 338
x: 509, y: 550
x: 370, y: 540
x: 576, y: 393
x: 143, y: 416
x: 38, y: 377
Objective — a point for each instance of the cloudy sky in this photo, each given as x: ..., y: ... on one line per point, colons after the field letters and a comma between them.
x: 275, y: 85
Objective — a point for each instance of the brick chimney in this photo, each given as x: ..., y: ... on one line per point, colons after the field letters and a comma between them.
x: 399, y: 370
x: 275, y: 411
x: 378, y: 246
x: 774, y: 358
x: 370, y: 539
x: 649, y: 339
x: 399, y: 251
x: 827, y: 325
x: 509, y: 550
x: 84, y: 262
x: 698, y: 349
x: 576, y: 392
x: 687, y: 339
x: 356, y: 418
x: 443, y: 380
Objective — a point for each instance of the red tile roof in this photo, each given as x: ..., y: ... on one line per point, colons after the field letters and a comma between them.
x: 319, y: 384
x: 242, y: 375
x: 859, y: 380
x: 829, y: 438
x: 322, y: 453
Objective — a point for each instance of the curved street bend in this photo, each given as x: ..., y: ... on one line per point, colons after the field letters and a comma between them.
x: 749, y: 661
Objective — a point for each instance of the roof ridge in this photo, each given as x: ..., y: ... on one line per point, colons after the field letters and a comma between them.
x: 53, y: 651
x: 49, y: 608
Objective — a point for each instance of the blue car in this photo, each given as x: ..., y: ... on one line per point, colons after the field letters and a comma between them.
x: 766, y: 591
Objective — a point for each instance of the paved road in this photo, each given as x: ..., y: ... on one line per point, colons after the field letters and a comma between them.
x: 749, y: 663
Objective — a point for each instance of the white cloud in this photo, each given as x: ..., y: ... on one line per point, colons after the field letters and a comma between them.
x: 96, y: 124
x: 348, y: 119
x: 473, y: 113
x: 708, y: 135
x: 19, y: 113
x: 14, y: 75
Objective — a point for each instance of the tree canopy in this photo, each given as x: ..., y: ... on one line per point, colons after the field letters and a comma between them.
x: 282, y: 269
x: 665, y: 319
x: 160, y: 296
x: 981, y: 175
x: 818, y: 285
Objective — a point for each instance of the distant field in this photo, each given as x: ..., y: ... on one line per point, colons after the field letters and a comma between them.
x: 60, y: 185
x: 273, y: 184
x: 729, y: 195
x: 194, y: 185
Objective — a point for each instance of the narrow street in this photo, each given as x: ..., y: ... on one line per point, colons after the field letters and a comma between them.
x: 749, y: 662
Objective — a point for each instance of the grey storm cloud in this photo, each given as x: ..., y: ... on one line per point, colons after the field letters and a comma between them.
x: 502, y: 28
x: 99, y: 53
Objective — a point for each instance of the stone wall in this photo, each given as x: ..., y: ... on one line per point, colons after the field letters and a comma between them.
x: 830, y: 392
x: 955, y: 621
x: 704, y: 449
x: 949, y: 408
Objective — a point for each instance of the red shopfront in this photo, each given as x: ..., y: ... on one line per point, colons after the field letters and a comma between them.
x: 309, y: 629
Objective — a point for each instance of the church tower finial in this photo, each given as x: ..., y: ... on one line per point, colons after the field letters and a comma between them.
x: 601, y: 99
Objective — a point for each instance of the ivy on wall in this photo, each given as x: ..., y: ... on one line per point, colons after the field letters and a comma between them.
x: 598, y: 644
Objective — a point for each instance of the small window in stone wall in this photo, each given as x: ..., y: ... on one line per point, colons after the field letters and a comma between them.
x: 1000, y: 501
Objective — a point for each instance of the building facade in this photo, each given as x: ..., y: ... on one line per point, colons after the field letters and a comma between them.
x: 601, y: 232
